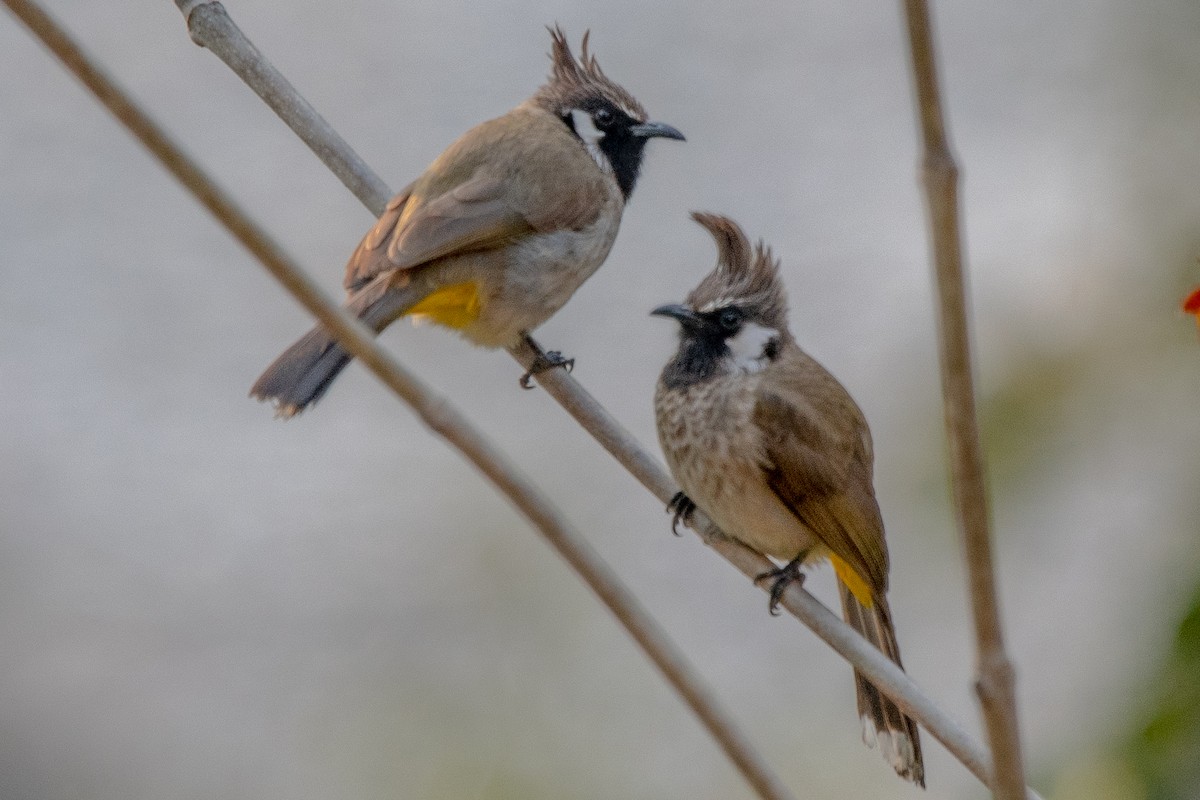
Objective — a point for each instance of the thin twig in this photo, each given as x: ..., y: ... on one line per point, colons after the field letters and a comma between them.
x: 207, y: 20
x: 995, y: 681
x: 435, y: 411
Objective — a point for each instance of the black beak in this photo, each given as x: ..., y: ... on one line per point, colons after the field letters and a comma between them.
x: 686, y: 317
x: 650, y: 130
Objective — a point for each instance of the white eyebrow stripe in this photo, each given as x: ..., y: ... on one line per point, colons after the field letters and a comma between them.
x: 715, y: 304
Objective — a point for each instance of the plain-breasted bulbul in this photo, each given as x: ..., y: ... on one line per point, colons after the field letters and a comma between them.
x: 499, y: 231
x: 774, y: 450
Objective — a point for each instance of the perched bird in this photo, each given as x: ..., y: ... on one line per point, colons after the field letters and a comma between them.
x: 773, y: 449
x: 499, y: 231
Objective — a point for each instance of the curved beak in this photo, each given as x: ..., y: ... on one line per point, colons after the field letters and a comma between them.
x: 650, y: 130
x: 684, y: 315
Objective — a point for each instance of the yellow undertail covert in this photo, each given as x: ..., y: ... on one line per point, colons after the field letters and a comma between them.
x: 455, y: 306
x: 857, y: 586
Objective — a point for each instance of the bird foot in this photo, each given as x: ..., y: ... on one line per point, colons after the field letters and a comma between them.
x: 544, y: 361
x: 682, y: 507
x: 782, y: 578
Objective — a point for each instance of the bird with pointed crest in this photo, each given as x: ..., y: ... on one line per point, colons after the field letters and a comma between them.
x: 498, y: 232
x: 774, y: 450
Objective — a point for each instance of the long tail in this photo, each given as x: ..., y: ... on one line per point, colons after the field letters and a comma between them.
x: 304, y: 371
x: 883, y: 722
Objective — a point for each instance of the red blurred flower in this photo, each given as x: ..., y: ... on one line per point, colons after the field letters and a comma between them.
x: 1191, y: 304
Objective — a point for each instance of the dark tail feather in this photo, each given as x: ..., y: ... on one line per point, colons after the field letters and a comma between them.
x: 302, y: 374
x: 883, y: 722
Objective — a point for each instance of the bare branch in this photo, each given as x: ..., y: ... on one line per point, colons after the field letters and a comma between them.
x: 995, y: 681
x: 438, y: 413
x: 211, y: 28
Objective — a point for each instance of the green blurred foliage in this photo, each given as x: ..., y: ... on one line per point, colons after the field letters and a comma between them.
x: 1159, y: 759
x: 1164, y: 753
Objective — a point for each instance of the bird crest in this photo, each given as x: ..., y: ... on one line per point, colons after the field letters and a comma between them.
x: 574, y: 81
x: 746, y: 276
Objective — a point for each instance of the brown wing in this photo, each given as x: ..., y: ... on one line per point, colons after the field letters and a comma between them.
x: 819, y: 464
x: 470, y: 199
x: 473, y: 216
x: 362, y: 265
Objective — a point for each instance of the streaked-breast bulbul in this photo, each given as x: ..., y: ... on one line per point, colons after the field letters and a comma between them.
x: 499, y: 231
x: 774, y: 450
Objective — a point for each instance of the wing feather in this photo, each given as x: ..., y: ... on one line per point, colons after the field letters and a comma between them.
x: 478, y: 219
x: 468, y: 200
x: 819, y: 465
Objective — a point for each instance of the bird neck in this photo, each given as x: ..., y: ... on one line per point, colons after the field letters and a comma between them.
x: 697, y: 360
x: 624, y: 153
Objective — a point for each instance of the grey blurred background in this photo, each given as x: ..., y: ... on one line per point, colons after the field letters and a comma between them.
x: 199, y: 601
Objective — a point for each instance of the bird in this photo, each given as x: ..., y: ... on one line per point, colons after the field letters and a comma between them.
x: 498, y: 232
x: 778, y: 455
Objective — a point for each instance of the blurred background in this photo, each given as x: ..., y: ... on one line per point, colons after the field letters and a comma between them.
x: 199, y: 601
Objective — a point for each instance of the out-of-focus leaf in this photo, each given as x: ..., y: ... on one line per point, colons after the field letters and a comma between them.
x: 1165, y: 752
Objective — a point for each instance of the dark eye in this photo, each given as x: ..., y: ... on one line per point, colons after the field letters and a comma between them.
x: 603, y: 118
x: 730, y: 319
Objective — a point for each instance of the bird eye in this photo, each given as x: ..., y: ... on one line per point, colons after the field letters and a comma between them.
x: 603, y: 117
x: 730, y: 319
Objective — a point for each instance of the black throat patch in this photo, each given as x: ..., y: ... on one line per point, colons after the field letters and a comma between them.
x: 622, y: 149
x: 695, y: 362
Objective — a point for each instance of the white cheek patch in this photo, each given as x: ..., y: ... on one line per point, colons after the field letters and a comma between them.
x: 749, y: 346
x: 591, y: 135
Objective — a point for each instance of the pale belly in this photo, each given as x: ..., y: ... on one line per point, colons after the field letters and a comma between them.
x: 540, y: 276
x: 716, y: 457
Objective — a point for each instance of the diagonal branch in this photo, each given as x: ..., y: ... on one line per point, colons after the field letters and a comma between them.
x: 995, y: 680
x: 210, y: 26
x: 434, y: 411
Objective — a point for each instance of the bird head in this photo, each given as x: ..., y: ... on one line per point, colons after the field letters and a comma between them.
x: 736, y: 318
x: 606, y: 118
